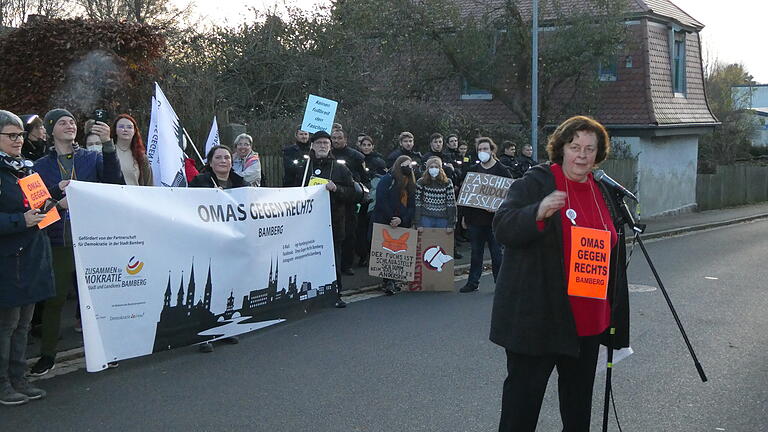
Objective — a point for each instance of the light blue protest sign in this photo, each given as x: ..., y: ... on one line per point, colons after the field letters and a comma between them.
x: 319, y: 114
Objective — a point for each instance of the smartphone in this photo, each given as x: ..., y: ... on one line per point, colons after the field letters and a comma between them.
x: 49, y: 204
x: 100, y: 115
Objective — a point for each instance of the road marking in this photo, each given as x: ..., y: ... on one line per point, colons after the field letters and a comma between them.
x: 710, y: 278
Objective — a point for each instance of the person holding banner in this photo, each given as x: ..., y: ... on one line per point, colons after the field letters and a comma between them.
x: 218, y: 171
x: 564, y: 263
x: 131, y: 151
x: 25, y: 263
x: 395, y: 201
x: 323, y: 169
x: 246, y: 162
x: 63, y: 163
x: 478, y: 221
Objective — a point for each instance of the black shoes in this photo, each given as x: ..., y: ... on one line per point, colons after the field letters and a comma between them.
x: 206, y: 347
x: 457, y: 255
x: 348, y: 271
x: 363, y: 262
x: 44, y: 365
x: 468, y: 288
x: 340, y: 304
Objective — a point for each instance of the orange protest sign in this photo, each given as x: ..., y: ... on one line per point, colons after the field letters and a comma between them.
x: 590, y: 261
x: 36, y: 193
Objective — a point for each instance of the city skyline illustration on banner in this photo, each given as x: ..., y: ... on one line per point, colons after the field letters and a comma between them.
x: 190, y: 319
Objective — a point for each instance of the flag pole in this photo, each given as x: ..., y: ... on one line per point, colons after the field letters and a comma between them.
x: 186, y: 134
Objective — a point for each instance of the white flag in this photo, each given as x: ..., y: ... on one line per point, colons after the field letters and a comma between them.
x: 213, y: 137
x: 165, y: 153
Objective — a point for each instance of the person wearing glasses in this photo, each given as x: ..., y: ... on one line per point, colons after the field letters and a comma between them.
x: 61, y: 164
x: 25, y: 263
x: 131, y: 152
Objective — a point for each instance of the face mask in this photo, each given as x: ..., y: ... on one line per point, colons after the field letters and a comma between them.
x: 434, y: 172
x: 95, y: 148
x: 406, y: 169
x: 484, y: 157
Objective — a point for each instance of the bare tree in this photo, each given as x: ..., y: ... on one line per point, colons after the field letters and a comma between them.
x: 140, y: 11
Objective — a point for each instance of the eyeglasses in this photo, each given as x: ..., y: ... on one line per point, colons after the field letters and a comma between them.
x: 13, y: 136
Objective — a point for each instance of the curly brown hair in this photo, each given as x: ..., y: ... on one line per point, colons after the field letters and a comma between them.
x: 565, y: 133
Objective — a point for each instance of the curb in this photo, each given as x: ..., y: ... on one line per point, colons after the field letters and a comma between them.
x: 693, y: 228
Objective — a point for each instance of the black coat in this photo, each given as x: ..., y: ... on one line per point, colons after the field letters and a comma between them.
x: 206, y: 180
x: 25, y: 253
x: 375, y: 165
x: 531, y: 311
x: 342, y: 199
x: 293, y: 156
x: 512, y: 165
x: 354, y: 161
x: 400, y: 151
x: 388, y: 204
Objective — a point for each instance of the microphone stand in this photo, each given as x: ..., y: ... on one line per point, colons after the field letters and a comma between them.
x: 638, y: 228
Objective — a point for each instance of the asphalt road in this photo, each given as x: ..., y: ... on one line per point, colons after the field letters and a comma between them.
x: 422, y: 362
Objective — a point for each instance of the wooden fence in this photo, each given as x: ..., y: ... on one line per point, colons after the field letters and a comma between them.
x: 732, y: 185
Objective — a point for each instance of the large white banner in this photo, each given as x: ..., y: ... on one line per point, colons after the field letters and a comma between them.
x: 160, y: 268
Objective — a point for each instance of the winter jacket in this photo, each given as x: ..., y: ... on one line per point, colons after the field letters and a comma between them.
x: 531, y: 311
x: 512, y: 165
x: 375, y: 166
x: 206, y: 180
x: 342, y: 199
x: 354, y: 161
x: 293, y: 156
x: 25, y: 253
x: 249, y: 168
x: 388, y: 204
x: 96, y: 167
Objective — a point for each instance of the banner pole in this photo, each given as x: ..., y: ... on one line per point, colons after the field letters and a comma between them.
x: 197, y: 152
x: 306, y: 169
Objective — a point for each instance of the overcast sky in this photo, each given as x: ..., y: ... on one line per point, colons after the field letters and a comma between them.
x: 734, y: 31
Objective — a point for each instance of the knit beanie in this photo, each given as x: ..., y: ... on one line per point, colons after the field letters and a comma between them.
x: 52, y: 117
x: 319, y: 134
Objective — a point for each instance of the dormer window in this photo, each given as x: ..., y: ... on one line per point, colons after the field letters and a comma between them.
x: 678, y: 62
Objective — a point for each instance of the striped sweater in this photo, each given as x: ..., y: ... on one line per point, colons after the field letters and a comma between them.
x: 435, y: 200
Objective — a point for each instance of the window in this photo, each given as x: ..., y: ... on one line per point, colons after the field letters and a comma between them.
x: 678, y: 61
x: 607, y: 72
x: 473, y: 93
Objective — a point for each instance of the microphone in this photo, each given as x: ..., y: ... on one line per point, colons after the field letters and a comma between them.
x: 602, y: 177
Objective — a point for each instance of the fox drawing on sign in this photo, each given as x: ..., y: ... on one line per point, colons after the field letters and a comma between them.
x: 394, y: 245
x: 435, y: 257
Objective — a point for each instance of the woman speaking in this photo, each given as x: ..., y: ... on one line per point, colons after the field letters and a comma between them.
x: 562, y: 283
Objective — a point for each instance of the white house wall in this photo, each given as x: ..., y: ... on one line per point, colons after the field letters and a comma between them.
x: 666, y: 171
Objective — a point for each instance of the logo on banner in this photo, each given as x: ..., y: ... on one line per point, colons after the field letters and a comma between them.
x: 435, y: 257
x: 134, y: 266
x: 394, y: 245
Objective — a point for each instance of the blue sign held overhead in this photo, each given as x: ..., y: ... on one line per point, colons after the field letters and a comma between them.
x: 319, y: 114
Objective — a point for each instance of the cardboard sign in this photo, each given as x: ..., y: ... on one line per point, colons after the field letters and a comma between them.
x: 393, y: 253
x: 314, y: 181
x: 590, y: 262
x: 434, y: 261
x: 319, y: 114
x: 483, y: 191
x: 36, y: 193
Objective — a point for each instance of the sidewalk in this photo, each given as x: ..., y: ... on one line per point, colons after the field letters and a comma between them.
x: 656, y: 228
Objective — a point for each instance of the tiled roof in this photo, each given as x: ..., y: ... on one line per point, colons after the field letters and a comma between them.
x: 668, y: 108
x: 549, y: 9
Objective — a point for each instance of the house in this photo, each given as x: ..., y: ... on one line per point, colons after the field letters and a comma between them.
x: 754, y: 99
x: 652, y: 99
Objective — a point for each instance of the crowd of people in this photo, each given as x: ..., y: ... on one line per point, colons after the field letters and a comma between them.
x: 534, y: 319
